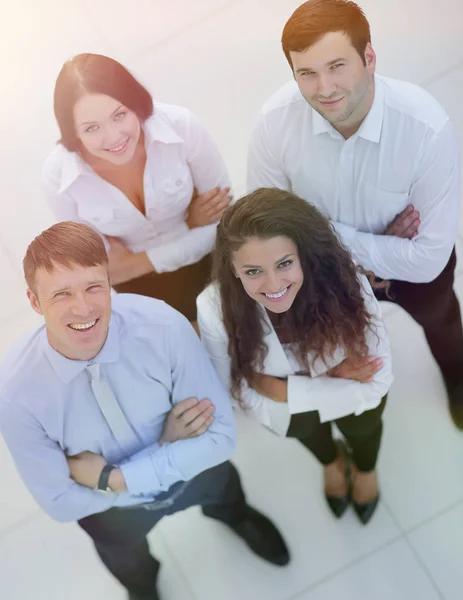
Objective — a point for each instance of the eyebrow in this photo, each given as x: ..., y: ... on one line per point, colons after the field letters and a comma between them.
x: 328, y: 64
x: 112, y: 114
x: 285, y: 257
x: 66, y: 289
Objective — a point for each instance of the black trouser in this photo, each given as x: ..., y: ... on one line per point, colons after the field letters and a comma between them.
x: 363, y: 434
x: 435, y: 307
x: 119, y: 534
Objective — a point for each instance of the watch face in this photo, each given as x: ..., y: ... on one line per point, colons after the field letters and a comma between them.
x: 108, y: 490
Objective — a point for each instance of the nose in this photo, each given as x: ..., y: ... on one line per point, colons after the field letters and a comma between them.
x: 272, y: 282
x: 326, y: 86
x: 111, y: 135
x: 80, y: 306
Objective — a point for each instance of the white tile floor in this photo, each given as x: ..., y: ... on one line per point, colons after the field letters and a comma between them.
x: 222, y: 59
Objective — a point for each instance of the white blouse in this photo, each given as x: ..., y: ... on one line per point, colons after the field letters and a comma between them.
x: 180, y: 155
x: 332, y: 397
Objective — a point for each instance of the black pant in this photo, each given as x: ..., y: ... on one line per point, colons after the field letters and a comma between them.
x: 119, y: 534
x: 435, y: 307
x: 363, y: 433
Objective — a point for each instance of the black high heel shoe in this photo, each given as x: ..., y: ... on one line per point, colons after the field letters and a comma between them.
x: 338, y: 505
x: 366, y: 511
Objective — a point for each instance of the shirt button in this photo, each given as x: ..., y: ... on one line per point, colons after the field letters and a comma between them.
x: 178, y: 182
x: 96, y: 219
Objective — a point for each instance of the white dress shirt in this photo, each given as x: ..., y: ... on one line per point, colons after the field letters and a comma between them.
x: 405, y: 152
x: 332, y: 397
x: 152, y: 359
x: 180, y: 155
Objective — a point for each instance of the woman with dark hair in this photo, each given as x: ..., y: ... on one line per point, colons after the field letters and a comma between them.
x: 295, y: 333
x: 149, y: 179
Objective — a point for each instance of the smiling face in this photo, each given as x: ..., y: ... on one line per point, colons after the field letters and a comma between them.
x: 270, y: 271
x: 334, y: 80
x: 106, y: 128
x: 76, y: 305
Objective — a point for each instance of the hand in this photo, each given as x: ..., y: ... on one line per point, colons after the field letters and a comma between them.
x: 358, y: 368
x: 272, y: 387
x: 188, y: 418
x: 125, y: 265
x: 405, y: 224
x: 85, y: 468
x: 207, y: 208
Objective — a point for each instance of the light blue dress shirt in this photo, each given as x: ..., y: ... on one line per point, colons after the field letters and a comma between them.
x: 152, y: 359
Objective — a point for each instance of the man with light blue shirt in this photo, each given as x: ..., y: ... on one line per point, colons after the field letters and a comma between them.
x: 114, y: 415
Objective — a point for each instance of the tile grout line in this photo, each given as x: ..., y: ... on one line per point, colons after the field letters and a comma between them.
x: 428, y: 520
x: 193, y: 25
x: 178, y: 565
x: 421, y: 563
x: 424, y: 567
x: 5, y: 533
x: 347, y: 566
x: 435, y: 78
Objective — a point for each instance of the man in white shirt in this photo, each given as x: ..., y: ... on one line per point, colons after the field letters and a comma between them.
x: 380, y: 158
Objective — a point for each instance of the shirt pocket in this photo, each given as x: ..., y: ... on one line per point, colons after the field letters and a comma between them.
x: 174, y: 193
x: 107, y: 220
x: 385, y: 206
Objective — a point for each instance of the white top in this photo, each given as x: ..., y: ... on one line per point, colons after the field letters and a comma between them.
x: 405, y: 151
x: 332, y: 397
x: 180, y: 155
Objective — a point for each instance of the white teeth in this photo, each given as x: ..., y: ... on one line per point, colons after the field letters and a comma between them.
x: 278, y: 295
x: 83, y: 325
x: 118, y: 148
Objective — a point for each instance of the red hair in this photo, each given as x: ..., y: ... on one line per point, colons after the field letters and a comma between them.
x: 64, y: 244
x: 315, y: 18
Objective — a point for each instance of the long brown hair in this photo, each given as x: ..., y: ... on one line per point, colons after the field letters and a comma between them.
x: 328, y: 311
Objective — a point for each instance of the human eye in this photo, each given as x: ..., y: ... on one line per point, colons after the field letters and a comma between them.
x: 285, y: 263
x: 252, y: 272
x: 120, y: 115
x: 91, y: 129
x: 337, y: 65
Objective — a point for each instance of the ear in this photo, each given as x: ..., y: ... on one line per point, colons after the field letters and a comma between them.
x: 34, y: 301
x: 370, y: 59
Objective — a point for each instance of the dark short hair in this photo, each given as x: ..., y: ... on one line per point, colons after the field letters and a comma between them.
x: 95, y: 74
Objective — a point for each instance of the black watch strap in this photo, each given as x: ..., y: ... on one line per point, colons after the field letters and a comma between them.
x: 104, y: 478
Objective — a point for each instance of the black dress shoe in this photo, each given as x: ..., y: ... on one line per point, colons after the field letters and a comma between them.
x: 366, y: 511
x: 153, y: 596
x: 338, y: 505
x: 455, y: 396
x: 262, y: 537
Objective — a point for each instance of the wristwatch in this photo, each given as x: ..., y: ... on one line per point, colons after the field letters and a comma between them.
x: 102, y: 485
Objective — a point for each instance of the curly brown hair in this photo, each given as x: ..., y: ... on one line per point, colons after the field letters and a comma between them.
x: 328, y: 311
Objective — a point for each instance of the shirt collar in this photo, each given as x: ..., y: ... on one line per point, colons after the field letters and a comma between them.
x: 371, y: 127
x: 156, y: 129
x: 67, y: 369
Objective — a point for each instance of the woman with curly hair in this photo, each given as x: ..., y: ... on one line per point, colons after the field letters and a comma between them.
x: 295, y: 333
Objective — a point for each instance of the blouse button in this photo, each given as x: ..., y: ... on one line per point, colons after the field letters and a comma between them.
x: 178, y: 182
